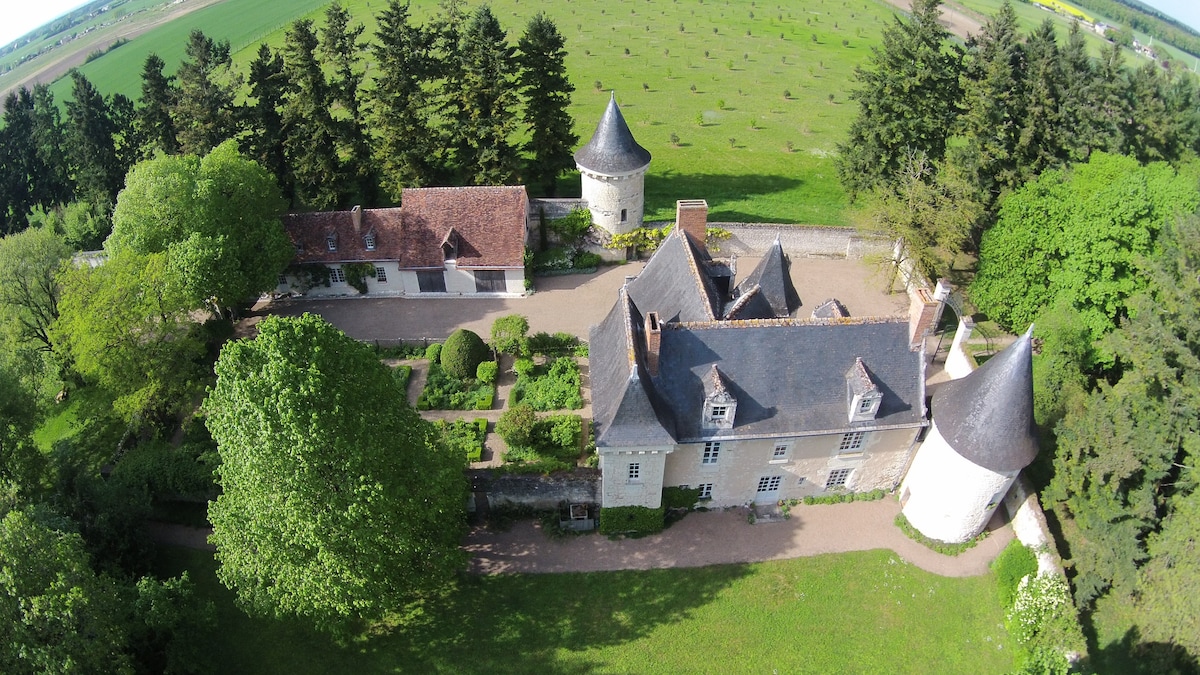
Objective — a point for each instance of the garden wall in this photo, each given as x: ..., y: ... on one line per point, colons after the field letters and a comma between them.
x: 581, y: 486
x: 806, y: 241
x: 1029, y: 524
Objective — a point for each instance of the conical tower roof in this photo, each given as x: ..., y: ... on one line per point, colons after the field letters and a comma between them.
x: 612, y: 149
x: 987, y: 416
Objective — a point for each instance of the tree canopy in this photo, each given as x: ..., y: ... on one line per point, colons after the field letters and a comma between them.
x: 338, y: 501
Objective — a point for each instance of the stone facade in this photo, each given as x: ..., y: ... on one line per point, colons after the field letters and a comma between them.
x: 616, y: 202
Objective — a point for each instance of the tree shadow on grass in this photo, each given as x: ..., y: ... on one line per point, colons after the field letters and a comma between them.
x: 663, y: 190
x: 1133, y: 656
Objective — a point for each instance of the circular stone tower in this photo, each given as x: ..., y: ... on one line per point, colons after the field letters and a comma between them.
x: 982, y: 436
x: 612, y: 168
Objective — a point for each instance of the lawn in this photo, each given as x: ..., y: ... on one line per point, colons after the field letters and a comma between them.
x: 734, y: 129
x: 848, y: 613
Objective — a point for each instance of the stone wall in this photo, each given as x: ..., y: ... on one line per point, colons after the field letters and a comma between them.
x: 1029, y: 525
x: 805, y: 241
x: 581, y: 486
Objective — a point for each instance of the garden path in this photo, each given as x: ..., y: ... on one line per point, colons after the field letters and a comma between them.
x: 722, y: 537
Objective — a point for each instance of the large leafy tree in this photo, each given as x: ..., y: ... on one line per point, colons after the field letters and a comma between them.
x: 311, y: 135
x: 29, y: 263
x: 337, y: 500
x: 205, y: 114
x: 1081, y: 234
x: 216, y: 218
x: 400, y: 102
x: 543, y: 79
x: 159, y: 94
x: 484, y: 112
x: 907, y: 97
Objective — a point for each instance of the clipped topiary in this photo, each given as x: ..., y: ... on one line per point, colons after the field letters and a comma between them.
x: 462, y: 353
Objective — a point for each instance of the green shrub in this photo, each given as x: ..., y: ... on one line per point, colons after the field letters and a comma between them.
x: 580, y: 351
x: 552, y: 345
x: 357, y: 273
x: 523, y: 366
x: 516, y: 425
x: 446, y: 392
x: 1043, y: 615
x: 1014, y: 563
x: 680, y: 497
x: 401, y: 375
x: 463, y: 438
x: 486, y: 372
x: 573, y: 226
x: 463, y: 352
x: 846, y: 497
x: 433, y: 352
x: 635, y: 520
x: 557, y: 389
x: 557, y: 436
x: 587, y: 260
x: 554, y: 260
x: 510, y: 334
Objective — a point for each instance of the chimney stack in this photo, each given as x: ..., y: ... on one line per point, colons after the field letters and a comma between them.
x: 691, y: 216
x: 356, y: 218
x: 653, y: 342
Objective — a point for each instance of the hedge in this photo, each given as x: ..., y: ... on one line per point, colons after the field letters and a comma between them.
x: 680, y: 497
x: 635, y: 520
x: 463, y: 352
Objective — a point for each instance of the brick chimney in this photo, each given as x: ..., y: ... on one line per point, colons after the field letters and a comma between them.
x: 356, y: 218
x: 653, y: 342
x: 691, y: 216
x: 923, y: 314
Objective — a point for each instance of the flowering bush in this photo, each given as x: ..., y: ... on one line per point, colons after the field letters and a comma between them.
x: 1041, y: 600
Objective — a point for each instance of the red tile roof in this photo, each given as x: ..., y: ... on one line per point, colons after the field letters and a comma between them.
x: 489, y: 224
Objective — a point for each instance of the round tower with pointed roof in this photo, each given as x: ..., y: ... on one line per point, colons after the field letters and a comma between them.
x: 983, y: 434
x: 612, y: 169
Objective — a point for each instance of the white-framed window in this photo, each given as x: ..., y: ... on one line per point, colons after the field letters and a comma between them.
x: 336, y: 275
x: 837, y: 478
x: 719, y: 412
x: 865, y: 404
x: 851, y: 442
x: 705, y: 490
x: 331, y: 242
x: 635, y: 472
x: 769, y: 483
x: 369, y: 241
x: 712, y: 450
x: 780, y: 452
x: 380, y: 274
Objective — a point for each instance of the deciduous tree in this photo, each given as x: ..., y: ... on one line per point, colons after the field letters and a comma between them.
x: 337, y: 500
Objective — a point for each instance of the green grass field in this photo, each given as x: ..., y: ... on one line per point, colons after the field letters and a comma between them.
x: 851, y: 613
x: 733, y: 130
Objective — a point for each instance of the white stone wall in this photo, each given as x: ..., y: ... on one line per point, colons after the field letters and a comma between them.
x: 514, y: 281
x: 607, y: 195
x: 947, y: 497
x: 458, y: 281
x: 804, y: 469
x: 798, y: 240
x: 615, y: 487
x: 1029, y: 524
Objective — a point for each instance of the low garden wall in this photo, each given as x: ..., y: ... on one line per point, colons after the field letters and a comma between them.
x: 581, y: 486
x: 1029, y: 525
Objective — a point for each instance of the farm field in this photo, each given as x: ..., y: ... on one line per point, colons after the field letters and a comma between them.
x: 733, y: 130
x: 852, y: 613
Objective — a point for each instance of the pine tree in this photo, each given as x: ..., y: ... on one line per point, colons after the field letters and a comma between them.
x: 127, y: 138
x: 159, y: 94
x: 906, y: 96
x: 547, y: 91
x: 1040, y: 143
x: 264, y: 143
x: 54, y: 184
x: 447, y: 71
x: 1155, y: 130
x: 485, y: 116
x: 310, y: 137
x: 340, y: 46
x: 204, y: 112
x: 89, y: 132
x: 1078, y: 110
x: 400, y: 106
x: 17, y: 157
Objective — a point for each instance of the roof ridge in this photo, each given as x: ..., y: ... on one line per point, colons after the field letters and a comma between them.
x: 762, y: 323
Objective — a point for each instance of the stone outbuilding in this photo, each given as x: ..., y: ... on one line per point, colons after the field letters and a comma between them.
x: 612, y: 169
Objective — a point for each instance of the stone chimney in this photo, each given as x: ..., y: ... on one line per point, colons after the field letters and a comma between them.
x: 356, y: 218
x: 691, y: 216
x: 653, y: 342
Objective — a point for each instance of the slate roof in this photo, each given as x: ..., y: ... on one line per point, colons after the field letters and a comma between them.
x: 772, y: 278
x: 612, y: 149
x: 625, y: 407
x: 672, y: 282
x: 489, y: 223
x: 987, y: 416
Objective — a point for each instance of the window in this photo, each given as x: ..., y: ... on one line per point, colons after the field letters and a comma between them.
x: 635, y: 472
x: 837, y: 478
x: 780, y: 451
x: 864, y: 405
x: 432, y: 282
x: 851, y: 442
x: 489, y: 281
x: 719, y: 411
x: 711, y: 452
x: 380, y: 274
x: 369, y: 240
x: 336, y: 275
x: 624, y: 215
x: 283, y: 280
x: 331, y: 242
x: 769, y: 483
x: 705, y: 490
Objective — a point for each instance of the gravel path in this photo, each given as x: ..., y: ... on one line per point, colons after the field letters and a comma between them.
x: 720, y: 537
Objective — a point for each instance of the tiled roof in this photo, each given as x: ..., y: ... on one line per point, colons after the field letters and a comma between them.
x: 489, y: 224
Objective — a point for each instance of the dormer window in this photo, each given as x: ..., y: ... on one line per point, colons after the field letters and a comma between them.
x: 450, y: 245
x: 369, y: 241
x: 862, y: 394
x: 331, y: 242
x: 720, y: 406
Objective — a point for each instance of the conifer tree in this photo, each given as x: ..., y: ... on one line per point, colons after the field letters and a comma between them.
x: 340, y: 47
x: 264, y: 143
x: 310, y: 138
x: 154, y: 114
x: 204, y: 113
x: 1040, y: 143
x: 1078, y: 104
x: 54, y: 184
x: 485, y: 114
x: 400, y: 106
x: 17, y: 157
x: 445, y: 32
x: 547, y: 91
x: 89, y: 133
x: 906, y: 97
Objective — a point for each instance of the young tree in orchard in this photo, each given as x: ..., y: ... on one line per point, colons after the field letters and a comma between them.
x: 216, y: 218
x: 484, y: 114
x: 338, y: 501
x: 89, y: 141
x: 205, y: 114
x: 340, y: 46
x: 547, y: 91
x: 400, y: 104
x: 159, y: 94
x: 311, y: 136
x: 907, y: 97
x: 264, y: 143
